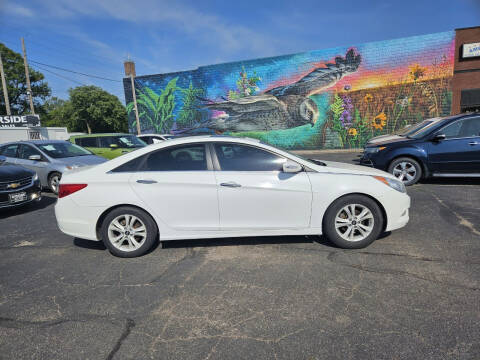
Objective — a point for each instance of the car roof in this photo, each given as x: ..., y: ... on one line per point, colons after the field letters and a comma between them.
x: 99, y: 135
x: 35, y: 142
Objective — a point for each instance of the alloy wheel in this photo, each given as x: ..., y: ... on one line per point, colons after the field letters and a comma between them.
x: 127, y: 232
x: 354, y: 222
x: 405, y: 171
x: 54, y: 183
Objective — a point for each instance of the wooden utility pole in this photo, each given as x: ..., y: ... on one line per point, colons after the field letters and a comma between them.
x: 29, y: 89
x: 137, y: 118
x: 4, y: 84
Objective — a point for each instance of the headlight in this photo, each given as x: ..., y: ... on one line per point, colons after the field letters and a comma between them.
x: 373, y: 150
x: 35, y: 177
x: 394, y: 184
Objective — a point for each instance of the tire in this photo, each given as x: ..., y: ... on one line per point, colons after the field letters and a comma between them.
x: 357, y: 233
x: 406, y: 169
x: 53, y: 181
x: 122, y: 224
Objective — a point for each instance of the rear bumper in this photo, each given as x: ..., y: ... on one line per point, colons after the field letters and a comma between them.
x: 77, y: 221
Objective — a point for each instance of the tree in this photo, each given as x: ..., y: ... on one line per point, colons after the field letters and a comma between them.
x: 17, y: 87
x: 93, y: 109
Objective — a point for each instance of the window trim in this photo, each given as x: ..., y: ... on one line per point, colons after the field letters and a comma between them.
x: 217, y: 166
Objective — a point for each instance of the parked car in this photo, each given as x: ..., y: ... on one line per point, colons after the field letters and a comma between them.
x: 449, y: 147
x: 154, y: 138
x: 208, y: 187
x: 18, y: 186
x: 407, y: 130
x: 108, y: 146
x: 48, y: 158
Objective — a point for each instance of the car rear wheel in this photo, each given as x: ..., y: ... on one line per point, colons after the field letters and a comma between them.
x: 353, y: 222
x: 128, y: 232
x: 54, y: 181
x: 406, y: 169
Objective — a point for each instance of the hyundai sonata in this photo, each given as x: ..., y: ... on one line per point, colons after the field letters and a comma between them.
x: 210, y: 186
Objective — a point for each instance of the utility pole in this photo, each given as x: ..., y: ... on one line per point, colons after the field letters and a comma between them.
x: 4, y: 84
x: 29, y: 89
x: 135, y: 105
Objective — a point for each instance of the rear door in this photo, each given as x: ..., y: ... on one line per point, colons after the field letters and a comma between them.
x: 178, y: 184
x: 460, y: 151
x: 254, y: 192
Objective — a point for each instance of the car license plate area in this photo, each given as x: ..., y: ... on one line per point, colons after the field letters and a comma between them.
x: 17, y: 197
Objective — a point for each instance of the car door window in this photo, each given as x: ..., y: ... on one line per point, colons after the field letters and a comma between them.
x: 10, y: 150
x: 470, y: 127
x: 452, y: 131
x: 180, y: 158
x: 236, y: 157
x: 86, y: 142
x: 26, y: 151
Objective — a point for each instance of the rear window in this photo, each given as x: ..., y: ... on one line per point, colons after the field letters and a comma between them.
x: 86, y: 141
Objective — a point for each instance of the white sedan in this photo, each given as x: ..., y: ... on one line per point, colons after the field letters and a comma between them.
x: 211, y: 186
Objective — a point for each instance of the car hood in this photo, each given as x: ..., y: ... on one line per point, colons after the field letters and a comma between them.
x: 382, y: 138
x: 14, y: 172
x: 82, y: 160
x: 386, y: 142
x: 344, y: 168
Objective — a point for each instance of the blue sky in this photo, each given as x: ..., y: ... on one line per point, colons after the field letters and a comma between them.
x: 96, y: 36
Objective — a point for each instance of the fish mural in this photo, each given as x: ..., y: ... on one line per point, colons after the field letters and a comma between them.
x: 332, y: 98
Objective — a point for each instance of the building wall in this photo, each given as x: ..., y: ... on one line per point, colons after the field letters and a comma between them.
x: 333, y: 98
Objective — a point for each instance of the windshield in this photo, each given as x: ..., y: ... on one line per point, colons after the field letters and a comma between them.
x: 123, y: 141
x: 419, y: 133
x: 63, y: 150
x: 413, y: 128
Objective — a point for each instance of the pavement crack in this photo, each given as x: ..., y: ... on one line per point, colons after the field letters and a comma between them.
x: 129, y: 324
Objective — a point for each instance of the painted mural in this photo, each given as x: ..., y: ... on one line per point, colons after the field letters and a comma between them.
x: 334, y: 98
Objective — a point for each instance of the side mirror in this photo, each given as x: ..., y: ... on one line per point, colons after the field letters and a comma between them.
x: 113, y: 146
x: 439, y: 137
x: 3, y: 159
x: 291, y: 167
x: 35, y: 157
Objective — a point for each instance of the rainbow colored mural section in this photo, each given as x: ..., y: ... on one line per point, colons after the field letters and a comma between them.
x: 333, y: 98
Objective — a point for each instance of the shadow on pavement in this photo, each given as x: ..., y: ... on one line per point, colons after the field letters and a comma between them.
x: 27, y: 208
x: 88, y: 244
x: 452, y: 181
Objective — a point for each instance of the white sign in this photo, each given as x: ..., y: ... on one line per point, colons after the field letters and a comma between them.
x: 19, y: 121
x: 471, y: 50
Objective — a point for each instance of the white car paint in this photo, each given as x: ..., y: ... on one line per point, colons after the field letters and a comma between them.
x: 192, y: 204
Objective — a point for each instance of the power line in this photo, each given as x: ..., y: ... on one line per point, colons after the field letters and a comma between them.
x: 74, y: 72
x: 61, y: 76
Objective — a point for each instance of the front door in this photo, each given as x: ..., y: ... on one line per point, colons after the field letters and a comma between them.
x: 460, y: 151
x: 25, y: 151
x: 254, y: 192
x: 178, y: 184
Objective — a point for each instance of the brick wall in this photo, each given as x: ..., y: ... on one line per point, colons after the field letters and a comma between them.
x: 332, y: 98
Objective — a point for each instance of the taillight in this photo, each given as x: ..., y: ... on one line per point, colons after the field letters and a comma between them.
x: 68, y: 189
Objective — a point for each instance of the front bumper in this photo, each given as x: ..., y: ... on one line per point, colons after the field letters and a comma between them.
x: 32, y: 191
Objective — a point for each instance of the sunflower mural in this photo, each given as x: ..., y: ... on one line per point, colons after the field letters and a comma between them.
x: 332, y: 98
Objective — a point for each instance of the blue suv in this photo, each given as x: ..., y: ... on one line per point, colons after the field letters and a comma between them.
x: 446, y: 147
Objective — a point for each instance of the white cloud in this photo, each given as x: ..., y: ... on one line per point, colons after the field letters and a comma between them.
x: 17, y: 10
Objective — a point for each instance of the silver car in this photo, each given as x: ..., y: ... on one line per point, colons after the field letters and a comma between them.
x: 49, y: 158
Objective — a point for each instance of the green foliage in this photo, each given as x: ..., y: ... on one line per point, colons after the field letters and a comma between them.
x: 91, y: 109
x: 17, y: 87
x: 246, y: 86
x: 156, y: 109
x: 337, y: 108
x: 191, y: 111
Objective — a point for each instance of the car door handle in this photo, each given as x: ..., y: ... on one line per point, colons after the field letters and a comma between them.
x: 230, y: 184
x: 141, y: 181
x: 473, y: 143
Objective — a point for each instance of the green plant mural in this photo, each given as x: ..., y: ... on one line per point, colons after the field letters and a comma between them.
x: 192, y: 109
x: 246, y: 86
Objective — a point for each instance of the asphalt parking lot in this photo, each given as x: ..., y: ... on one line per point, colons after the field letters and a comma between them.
x: 413, y: 294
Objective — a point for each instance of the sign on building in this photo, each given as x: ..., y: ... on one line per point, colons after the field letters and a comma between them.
x: 19, y: 121
x: 471, y: 50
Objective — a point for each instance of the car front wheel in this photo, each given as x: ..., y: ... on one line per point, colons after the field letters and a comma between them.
x: 353, y: 222
x: 54, y: 181
x: 406, y: 169
x: 128, y: 232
